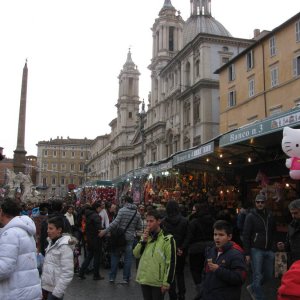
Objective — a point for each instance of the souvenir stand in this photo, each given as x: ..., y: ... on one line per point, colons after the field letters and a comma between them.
x: 257, y: 157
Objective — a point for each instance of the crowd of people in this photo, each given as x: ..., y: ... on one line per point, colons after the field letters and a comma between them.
x: 40, y: 246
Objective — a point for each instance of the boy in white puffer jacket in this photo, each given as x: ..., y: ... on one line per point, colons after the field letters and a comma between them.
x: 58, y: 268
x: 19, y: 276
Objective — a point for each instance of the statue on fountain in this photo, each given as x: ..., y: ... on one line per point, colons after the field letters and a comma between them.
x: 20, y: 187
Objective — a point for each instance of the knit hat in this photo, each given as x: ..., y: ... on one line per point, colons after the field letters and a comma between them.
x: 260, y: 197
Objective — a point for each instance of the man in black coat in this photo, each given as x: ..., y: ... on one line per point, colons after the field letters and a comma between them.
x: 258, y: 235
x: 292, y: 244
x: 200, y: 236
x: 177, y: 225
x: 93, y: 226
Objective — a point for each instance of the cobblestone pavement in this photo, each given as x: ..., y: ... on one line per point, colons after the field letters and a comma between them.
x: 103, y: 290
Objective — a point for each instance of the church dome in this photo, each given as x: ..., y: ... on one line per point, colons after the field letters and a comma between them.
x: 201, y: 21
x: 202, y: 24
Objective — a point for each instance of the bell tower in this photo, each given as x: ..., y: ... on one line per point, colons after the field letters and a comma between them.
x: 128, y: 101
x: 167, y: 35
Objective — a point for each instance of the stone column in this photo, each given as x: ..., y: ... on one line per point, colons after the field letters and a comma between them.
x: 19, y: 153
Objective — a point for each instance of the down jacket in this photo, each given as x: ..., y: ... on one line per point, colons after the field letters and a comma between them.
x: 19, y: 276
x: 58, y: 268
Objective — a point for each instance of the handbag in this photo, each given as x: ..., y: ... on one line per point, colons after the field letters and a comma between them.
x: 117, y: 236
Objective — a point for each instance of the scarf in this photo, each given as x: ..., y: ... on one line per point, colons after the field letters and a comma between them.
x: 70, y: 218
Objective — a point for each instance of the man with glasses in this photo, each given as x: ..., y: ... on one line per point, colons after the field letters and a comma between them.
x: 259, y: 229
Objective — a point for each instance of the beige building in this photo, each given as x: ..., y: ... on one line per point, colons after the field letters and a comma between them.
x: 62, y: 164
x: 264, y: 79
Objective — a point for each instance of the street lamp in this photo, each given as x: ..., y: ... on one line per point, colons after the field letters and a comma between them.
x: 142, y: 116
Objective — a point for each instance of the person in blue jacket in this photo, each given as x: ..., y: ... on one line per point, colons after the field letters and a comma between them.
x: 225, y: 266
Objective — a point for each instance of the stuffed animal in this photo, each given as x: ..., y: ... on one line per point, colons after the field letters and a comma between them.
x: 291, y: 146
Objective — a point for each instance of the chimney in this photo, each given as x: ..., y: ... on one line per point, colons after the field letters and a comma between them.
x: 256, y: 32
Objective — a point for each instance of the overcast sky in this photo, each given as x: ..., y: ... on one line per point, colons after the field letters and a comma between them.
x: 76, y: 49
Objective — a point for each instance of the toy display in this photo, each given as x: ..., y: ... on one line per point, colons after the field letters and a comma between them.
x: 291, y: 147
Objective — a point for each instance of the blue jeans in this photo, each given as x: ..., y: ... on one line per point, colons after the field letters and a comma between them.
x: 115, y: 258
x: 262, y: 263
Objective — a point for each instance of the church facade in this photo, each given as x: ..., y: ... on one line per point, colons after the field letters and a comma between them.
x: 183, y: 105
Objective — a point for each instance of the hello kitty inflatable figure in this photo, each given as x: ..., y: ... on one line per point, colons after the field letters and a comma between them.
x: 291, y: 146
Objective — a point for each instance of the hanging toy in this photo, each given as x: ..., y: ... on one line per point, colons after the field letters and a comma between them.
x: 291, y: 146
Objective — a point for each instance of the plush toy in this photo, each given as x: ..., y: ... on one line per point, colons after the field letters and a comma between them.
x: 291, y: 146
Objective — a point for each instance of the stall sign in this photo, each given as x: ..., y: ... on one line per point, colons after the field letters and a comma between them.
x: 275, y: 123
x: 161, y: 167
x: 193, y: 153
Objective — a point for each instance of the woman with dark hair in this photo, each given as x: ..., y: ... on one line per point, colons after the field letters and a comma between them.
x: 58, y: 268
x: 200, y: 235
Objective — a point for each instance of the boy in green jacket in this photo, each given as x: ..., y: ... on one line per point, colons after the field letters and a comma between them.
x: 157, y: 253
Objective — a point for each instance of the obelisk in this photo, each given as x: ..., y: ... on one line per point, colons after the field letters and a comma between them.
x: 20, y: 153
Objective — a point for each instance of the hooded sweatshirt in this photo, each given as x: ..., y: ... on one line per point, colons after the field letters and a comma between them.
x: 19, y: 276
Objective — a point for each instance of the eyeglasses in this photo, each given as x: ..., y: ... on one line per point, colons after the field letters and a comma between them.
x: 260, y: 202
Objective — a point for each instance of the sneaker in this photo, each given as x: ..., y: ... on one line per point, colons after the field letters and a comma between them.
x: 111, y: 281
x: 124, y: 281
x: 250, y: 291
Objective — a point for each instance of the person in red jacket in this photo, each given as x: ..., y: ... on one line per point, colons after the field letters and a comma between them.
x: 290, y: 283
